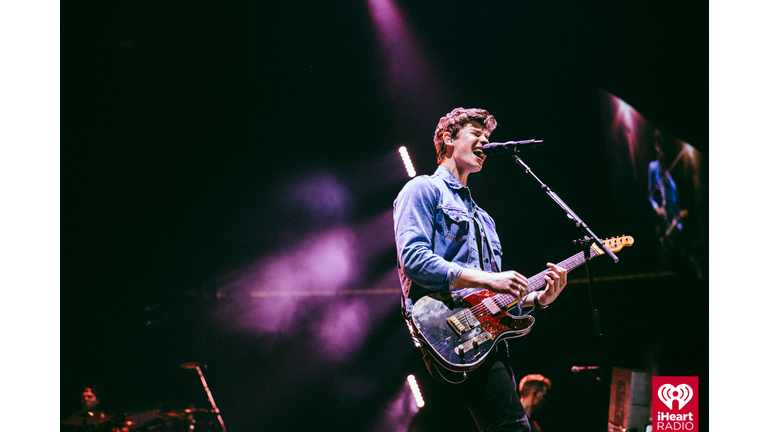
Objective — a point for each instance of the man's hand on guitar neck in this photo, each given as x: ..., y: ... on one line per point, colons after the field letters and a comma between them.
x: 514, y: 283
x: 508, y: 282
x: 557, y: 278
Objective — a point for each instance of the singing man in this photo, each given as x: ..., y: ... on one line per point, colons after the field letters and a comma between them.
x: 446, y: 244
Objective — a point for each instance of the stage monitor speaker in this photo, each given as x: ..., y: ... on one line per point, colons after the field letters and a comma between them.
x: 630, y: 409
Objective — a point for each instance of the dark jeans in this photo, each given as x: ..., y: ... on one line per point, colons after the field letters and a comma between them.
x: 490, y: 392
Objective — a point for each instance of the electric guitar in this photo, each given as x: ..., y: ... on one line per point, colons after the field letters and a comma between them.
x: 669, y: 236
x: 460, y: 334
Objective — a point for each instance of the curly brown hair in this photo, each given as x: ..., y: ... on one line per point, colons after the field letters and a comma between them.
x: 455, y: 120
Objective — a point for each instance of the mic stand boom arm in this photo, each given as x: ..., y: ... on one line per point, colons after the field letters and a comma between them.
x: 569, y: 213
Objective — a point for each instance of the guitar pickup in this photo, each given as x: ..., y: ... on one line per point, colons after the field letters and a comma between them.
x: 490, y: 304
x: 463, y: 322
x: 473, y: 343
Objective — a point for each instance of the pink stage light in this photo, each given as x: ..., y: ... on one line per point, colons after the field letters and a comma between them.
x: 625, y: 122
x: 690, y: 150
x: 627, y: 113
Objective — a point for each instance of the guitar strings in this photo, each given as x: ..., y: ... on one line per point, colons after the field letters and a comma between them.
x: 480, y: 309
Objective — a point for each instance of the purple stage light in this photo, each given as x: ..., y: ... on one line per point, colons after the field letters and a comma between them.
x: 322, y: 194
x: 374, y: 238
x: 318, y: 283
x: 399, y: 412
x: 316, y: 267
x: 342, y: 328
x: 410, y: 79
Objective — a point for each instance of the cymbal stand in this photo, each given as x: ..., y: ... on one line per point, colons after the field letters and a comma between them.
x: 208, y: 392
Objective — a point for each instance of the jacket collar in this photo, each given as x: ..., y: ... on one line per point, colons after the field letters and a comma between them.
x: 449, y: 178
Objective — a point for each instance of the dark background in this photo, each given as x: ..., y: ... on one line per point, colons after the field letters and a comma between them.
x: 184, y: 124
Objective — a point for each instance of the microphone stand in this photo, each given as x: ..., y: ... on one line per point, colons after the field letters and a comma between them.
x: 585, y: 243
x: 569, y: 213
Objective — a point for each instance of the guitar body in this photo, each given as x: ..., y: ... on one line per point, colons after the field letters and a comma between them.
x: 460, y: 336
x: 669, y: 235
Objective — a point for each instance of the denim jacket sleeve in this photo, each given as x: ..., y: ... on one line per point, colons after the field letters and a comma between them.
x: 414, y: 217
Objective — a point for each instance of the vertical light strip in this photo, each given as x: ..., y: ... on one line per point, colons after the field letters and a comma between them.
x: 416, y: 392
x: 407, y: 162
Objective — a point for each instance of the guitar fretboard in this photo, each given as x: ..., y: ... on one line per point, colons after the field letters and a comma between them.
x: 537, y: 281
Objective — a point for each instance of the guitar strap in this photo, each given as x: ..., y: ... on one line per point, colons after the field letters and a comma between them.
x: 478, y: 234
x: 484, y: 247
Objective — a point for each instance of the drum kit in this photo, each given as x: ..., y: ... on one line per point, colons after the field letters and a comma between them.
x: 152, y: 419
x: 155, y: 420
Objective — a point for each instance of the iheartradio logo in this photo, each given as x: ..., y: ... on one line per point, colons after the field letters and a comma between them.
x: 670, y: 416
x: 669, y: 393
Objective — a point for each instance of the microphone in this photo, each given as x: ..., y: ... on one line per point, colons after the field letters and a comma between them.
x: 577, y: 369
x: 491, y: 149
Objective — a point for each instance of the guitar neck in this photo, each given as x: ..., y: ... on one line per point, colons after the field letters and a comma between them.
x: 537, y: 281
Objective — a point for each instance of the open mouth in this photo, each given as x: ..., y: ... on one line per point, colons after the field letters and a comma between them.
x: 479, y: 153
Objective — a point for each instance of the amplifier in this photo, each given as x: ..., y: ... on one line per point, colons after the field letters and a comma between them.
x: 630, y: 409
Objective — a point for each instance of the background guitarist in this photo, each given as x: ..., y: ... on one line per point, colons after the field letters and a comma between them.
x: 447, y: 244
x: 662, y: 194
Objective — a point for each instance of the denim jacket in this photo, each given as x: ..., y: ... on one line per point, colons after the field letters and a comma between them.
x: 436, y: 223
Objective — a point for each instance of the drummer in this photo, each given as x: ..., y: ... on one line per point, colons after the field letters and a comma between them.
x: 89, y: 399
x: 90, y: 418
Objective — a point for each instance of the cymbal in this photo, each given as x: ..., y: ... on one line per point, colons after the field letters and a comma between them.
x: 140, y: 416
x: 194, y: 410
x: 88, y: 418
x: 144, y: 409
x: 184, y: 413
x: 172, y: 415
x: 191, y: 365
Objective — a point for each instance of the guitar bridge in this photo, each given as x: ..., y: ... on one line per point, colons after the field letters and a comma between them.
x: 463, y: 322
x: 473, y: 343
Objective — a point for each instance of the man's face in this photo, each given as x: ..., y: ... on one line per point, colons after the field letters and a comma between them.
x: 540, y: 398
x: 88, y: 400
x: 468, y: 147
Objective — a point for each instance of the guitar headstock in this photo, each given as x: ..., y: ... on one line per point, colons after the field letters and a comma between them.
x: 615, y: 244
